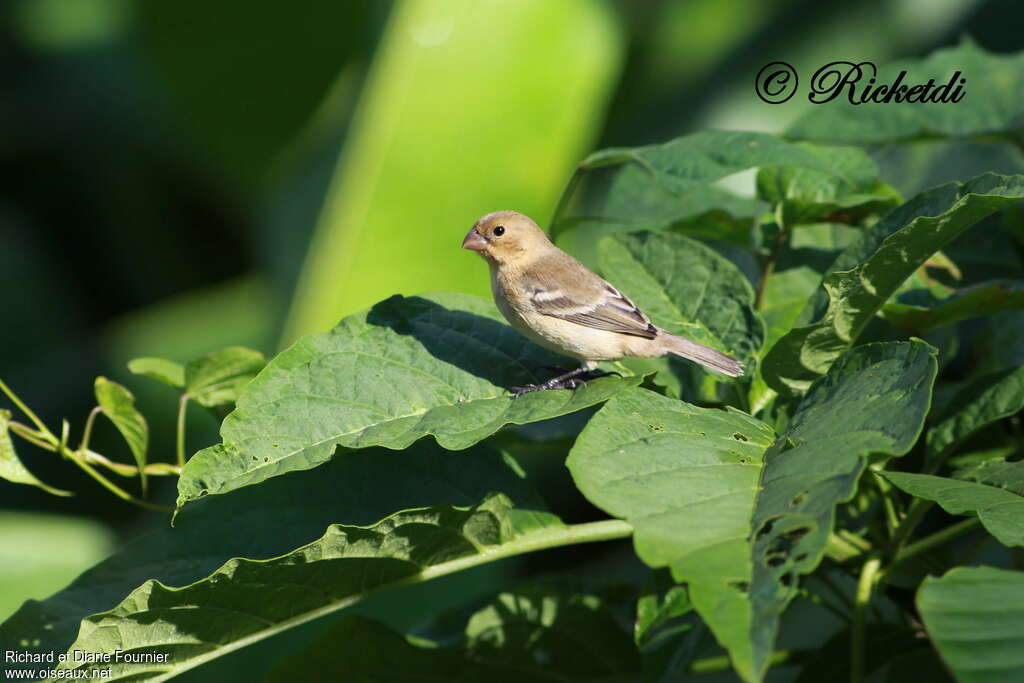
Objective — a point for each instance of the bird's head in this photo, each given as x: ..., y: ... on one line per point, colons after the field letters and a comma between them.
x: 505, y: 237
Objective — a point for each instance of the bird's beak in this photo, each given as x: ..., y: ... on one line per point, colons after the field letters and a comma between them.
x: 474, y: 241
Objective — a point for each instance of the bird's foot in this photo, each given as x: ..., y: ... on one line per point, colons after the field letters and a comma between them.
x: 569, y: 380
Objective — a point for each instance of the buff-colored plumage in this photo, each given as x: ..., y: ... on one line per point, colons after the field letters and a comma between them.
x: 562, y: 305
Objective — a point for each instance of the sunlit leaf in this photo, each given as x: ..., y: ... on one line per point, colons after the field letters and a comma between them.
x: 160, y: 369
x: 228, y: 609
x: 994, y: 102
x: 216, y: 379
x: 118, y: 404
x: 735, y: 511
x: 406, y: 368
x: 11, y: 467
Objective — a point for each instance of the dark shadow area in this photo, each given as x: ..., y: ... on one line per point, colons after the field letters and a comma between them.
x: 476, y: 344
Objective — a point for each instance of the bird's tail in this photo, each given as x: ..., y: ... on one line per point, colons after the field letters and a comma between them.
x: 705, y: 355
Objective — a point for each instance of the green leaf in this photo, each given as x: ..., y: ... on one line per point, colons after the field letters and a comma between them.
x: 160, y: 369
x: 973, y: 616
x: 216, y: 379
x: 273, y: 519
x: 994, y: 103
x: 11, y: 467
x: 406, y: 368
x: 693, y: 160
x: 996, y: 472
x: 229, y: 609
x: 971, y: 302
x: 533, y: 633
x: 808, y: 195
x: 561, y: 85
x: 1000, y: 510
x: 661, y: 601
x: 712, y: 305
x: 118, y: 404
x: 983, y: 401
x: 869, y: 271
x: 736, y: 512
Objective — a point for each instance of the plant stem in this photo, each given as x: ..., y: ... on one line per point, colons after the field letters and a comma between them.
x: 936, y: 539
x: 180, y: 445
x: 563, y: 201
x: 43, y: 430
x: 82, y: 459
x: 914, y: 515
x: 769, y: 266
x: 87, y: 433
x: 865, y: 585
x: 711, y: 665
x: 31, y: 435
x: 154, y: 468
x: 114, y: 488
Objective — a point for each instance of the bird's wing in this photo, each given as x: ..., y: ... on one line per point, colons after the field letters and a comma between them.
x: 603, y: 308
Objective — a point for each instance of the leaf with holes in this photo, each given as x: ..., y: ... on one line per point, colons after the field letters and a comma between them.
x: 736, y: 512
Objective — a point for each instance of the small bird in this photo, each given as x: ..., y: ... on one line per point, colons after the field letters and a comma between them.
x: 559, y: 303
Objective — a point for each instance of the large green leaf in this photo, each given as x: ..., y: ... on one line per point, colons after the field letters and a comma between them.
x: 973, y: 616
x: 408, y: 367
x: 230, y: 609
x: 1000, y: 510
x: 993, y: 103
x: 982, y: 402
x: 982, y: 299
x: 271, y: 520
x: 733, y: 510
x: 712, y: 304
x: 869, y: 271
x: 11, y: 467
x: 534, y: 633
x: 118, y: 404
x: 849, y: 188
x: 436, y: 78
x: 996, y: 472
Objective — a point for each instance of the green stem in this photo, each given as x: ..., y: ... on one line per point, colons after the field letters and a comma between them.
x: 180, y: 446
x: 905, y: 529
x: 44, y: 431
x: 936, y: 539
x: 87, y: 433
x: 529, y: 542
x: 865, y: 585
x: 154, y: 468
x: 769, y: 266
x: 31, y: 435
x: 114, y: 488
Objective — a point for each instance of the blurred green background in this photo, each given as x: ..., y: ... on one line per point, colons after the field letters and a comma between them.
x: 182, y: 176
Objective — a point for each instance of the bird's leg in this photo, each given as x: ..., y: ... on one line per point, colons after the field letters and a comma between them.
x: 567, y: 381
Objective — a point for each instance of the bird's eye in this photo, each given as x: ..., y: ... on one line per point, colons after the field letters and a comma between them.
x: 499, y: 230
